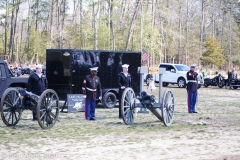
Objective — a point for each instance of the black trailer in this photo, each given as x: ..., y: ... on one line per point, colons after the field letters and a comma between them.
x: 66, y: 69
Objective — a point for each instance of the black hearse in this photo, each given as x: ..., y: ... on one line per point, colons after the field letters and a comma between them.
x: 66, y: 68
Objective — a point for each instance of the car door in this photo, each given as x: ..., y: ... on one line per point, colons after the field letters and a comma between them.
x: 172, y: 74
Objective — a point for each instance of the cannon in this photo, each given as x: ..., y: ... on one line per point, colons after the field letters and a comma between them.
x: 15, y: 100
x: 163, y: 109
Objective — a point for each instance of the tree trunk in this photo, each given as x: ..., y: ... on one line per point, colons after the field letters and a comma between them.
x: 37, y: 12
x: 13, y: 28
x: 132, y: 25
x: 6, y: 24
x: 111, y: 24
x: 81, y: 23
x: 180, y: 34
x: 201, y: 32
x: 95, y: 25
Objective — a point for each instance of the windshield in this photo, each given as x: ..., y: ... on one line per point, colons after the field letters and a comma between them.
x: 182, y: 67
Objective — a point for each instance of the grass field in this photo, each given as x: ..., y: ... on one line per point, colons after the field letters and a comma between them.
x: 212, y: 133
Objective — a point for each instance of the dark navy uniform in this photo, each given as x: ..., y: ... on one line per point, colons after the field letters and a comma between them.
x: 192, y: 90
x: 123, y: 80
x: 92, y: 89
x: 37, y: 85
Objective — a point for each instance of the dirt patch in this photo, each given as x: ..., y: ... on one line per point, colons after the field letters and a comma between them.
x: 211, y: 134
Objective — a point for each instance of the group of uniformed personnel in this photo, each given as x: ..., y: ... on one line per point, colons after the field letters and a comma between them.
x: 92, y: 88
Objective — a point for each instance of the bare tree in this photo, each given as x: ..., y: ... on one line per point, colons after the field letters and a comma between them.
x: 13, y: 23
x: 132, y: 24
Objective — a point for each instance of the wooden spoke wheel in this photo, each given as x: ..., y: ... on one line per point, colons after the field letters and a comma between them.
x: 167, y: 107
x: 11, y: 107
x: 127, y: 106
x: 48, y: 109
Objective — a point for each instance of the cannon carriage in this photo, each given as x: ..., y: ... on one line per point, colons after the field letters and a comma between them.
x: 15, y: 100
x: 163, y: 109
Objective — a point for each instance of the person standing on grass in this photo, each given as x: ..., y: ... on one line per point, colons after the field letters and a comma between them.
x: 92, y: 88
x: 124, y: 81
x: 37, y: 83
x: 192, y: 89
x: 234, y: 74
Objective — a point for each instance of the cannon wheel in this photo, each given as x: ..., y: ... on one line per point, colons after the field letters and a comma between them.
x: 127, y: 106
x: 167, y: 107
x: 11, y: 107
x: 48, y: 109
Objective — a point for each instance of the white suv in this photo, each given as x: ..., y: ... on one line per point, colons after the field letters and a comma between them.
x: 176, y: 74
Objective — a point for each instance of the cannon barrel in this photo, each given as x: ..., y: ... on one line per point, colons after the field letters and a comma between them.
x: 25, y: 93
x: 32, y: 96
x: 147, y: 99
x: 146, y: 96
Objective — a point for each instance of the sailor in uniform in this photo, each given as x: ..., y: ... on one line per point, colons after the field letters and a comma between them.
x: 192, y: 89
x: 92, y: 88
x: 37, y: 83
x: 124, y: 81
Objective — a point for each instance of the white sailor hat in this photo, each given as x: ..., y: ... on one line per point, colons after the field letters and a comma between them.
x: 38, y: 66
x: 125, y: 66
x: 94, y: 69
x: 193, y: 65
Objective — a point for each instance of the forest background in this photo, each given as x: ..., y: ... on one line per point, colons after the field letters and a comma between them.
x: 205, y: 32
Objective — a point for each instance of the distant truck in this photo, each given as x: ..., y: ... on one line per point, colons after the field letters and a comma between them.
x: 9, y: 80
x: 176, y: 74
x: 66, y: 69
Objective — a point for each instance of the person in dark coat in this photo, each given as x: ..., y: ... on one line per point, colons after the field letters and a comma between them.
x: 229, y: 77
x: 92, y: 88
x: 192, y: 89
x: 124, y: 81
x: 37, y: 83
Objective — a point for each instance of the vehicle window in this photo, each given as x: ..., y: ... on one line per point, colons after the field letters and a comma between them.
x: 170, y: 67
x: 163, y: 66
x: 182, y: 67
x: 2, y: 68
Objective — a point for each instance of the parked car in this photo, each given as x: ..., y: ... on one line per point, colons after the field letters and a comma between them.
x: 176, y: 74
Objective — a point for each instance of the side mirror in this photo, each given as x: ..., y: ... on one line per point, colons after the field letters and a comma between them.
x: 173, y: 70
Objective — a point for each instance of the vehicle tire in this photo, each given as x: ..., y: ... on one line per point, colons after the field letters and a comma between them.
x: 220, y: 84
x: 181, y: 83
x: 199, y: 86
x: 109, y: 100
x: 165, y: 84
x: 235, y: 87
x: 206, y: 85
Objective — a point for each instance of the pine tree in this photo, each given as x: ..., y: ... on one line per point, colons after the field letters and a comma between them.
x: 213, y: 54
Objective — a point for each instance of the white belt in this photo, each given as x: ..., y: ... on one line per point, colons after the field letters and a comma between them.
x: 91, y: 89
x: 192, y: 81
